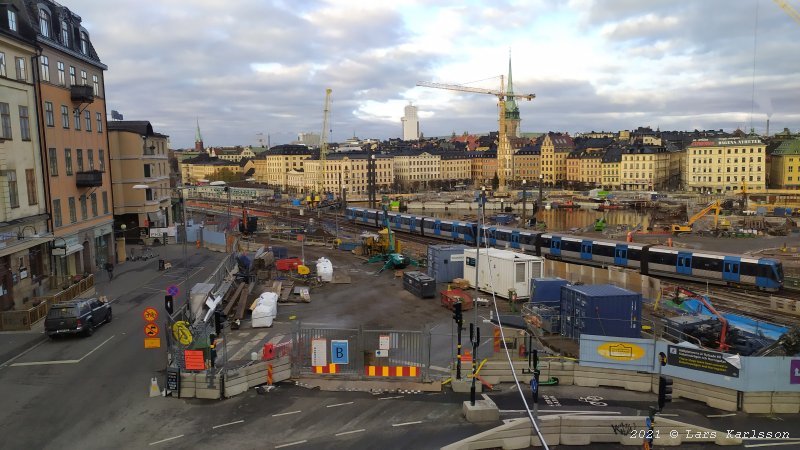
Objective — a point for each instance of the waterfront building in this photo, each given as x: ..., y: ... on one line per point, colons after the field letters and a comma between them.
x: 644, y: 167
x: 726, y: 164
x: 785, y: 165
x: 610, y: 167
x: 526, y: 163
x: 554, y: 150
x: 416, y: 168
x: 455, y: 165
x: 347, y: 170
x: 203, y: 168
x: 272, y: 166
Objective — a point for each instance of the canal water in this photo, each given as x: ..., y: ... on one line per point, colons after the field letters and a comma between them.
x: 559, y: 219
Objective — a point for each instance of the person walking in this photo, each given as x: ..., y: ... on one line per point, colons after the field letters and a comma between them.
x: 110, y: 270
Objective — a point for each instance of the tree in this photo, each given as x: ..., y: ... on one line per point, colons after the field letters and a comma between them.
x: 495, y: 181
x: 225, y: 174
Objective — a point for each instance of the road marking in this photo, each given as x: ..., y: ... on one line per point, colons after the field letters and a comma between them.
x: 23, y: 353
x: 439, y: 369
x: 286, y: 413
x: 721, y: 415
x: 670, y: 415
x: 349, y: 432
x: 774, y: 444
x: 165, y: 440
x: 63, y: 361
x: 387, y: 398
x: 558, y: 411
x: 339, y: 404
x: 290, y: 444
x: 226, y: 424
x: 406, y: 423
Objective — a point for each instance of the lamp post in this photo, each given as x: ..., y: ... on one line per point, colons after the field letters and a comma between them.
x: 541, y: 182
x: 524, y: 199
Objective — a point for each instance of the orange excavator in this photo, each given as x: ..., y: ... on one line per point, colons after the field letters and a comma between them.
x: 723, y: 345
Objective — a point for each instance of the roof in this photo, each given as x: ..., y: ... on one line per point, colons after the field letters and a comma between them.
x: 612, y: 155
x: 58, y: 13
x: 205, y: 159
x: 140, y: 127
x: 601, y: 290
x: 788, y: 147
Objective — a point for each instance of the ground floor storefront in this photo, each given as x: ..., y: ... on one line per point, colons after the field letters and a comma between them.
x: 79, y: 254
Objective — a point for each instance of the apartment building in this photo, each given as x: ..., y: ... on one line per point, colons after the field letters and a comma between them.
x: 610, y: 167
x: 138, y: 156
x: 644, y: 168
x: 455, y: 166
x: 232, y: 153
x: 726, y: 164
x: 416, y: 168
x: 70, y: 79
x: 350, y: 171
x: 527, y: 163
x: 272, y: 166
x: 785, y: 165
x: 203, y: 168
x: 554, y: 150
x: 484, y: 167
x: 24, y: 234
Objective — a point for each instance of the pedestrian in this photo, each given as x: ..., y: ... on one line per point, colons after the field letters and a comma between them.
x: 110, y: 270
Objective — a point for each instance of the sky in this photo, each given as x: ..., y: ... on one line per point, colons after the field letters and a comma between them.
x: 255, y: 70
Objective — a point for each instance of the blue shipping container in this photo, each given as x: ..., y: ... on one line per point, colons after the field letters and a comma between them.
x: 600, y: 309
x: 446, y: 262
x: 547, y: 289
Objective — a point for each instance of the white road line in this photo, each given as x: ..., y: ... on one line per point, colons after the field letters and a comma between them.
x: 63, y: 361
x: 349, y: 432
x: 406, y: 423
x: 558, y: 411
x: 23, y: 353
x: 721, y: 415
x: 286, y: 413
x: 226, y: 424
x: 387, y: 398
x: 669, y: 415
x: 339, y: 404
x: 439, y: 369
x: 290, y: 444
x: 774, y: 444
x: 165, y: 440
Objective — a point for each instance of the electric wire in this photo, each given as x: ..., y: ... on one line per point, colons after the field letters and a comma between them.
x: 502, y: 334
x: 753, y: 93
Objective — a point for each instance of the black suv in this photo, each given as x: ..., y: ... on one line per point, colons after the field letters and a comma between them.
x: 77, y: 316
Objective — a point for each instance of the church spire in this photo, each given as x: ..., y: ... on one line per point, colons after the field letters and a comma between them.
x: 512, y: 110
x: 198, y: 139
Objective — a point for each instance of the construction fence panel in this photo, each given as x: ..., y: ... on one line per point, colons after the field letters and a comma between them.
x: 399, y: 351
x: 307, y: 337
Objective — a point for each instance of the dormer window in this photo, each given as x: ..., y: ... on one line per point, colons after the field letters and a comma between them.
x: 64, y: 33
x: 84, y: 43
x: 12, y: 20
x: 44, y: 23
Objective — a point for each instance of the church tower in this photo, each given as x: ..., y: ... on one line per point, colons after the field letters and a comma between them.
x: 198, y: 139
x: 512, y: 110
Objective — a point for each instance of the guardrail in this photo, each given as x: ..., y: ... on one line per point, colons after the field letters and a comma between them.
x: 23, y: 320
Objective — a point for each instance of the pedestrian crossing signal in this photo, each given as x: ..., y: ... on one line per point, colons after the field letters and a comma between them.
x: 664, y: 391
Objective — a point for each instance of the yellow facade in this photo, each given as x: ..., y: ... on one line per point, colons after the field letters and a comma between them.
x: 348, y: 172
x: 272, y: 168
x: 611, y: 173
x: 720, y: 165
x: 645, y: 170
x: 456, y: 168
x: 785, y: 165
x: 419, y: 168
x: 526, y: 165
x: 193, y: 172
x: 554, y: 150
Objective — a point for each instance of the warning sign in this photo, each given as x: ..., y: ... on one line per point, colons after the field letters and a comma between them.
x: 151, y: 330
x: 150, y: 314
x: 703, y: 360
x: 153, y: 342
x: 194, y: 360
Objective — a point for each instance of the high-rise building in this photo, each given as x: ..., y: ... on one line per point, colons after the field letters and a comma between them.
x: 410, y: 123
x: 71, y: 85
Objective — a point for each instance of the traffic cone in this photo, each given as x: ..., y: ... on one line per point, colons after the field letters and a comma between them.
x: 155, y: 391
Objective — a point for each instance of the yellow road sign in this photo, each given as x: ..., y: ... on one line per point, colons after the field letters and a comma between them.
x: 181, y: 332
x: 151, y: 330
x: 150, y: 314
x: 152, y: 342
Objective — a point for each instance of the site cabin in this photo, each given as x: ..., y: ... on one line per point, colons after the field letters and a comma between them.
x: 502, y: 270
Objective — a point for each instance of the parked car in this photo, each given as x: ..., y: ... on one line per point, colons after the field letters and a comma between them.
x: 77, y: 316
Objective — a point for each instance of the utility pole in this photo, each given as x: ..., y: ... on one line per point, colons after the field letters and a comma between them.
x: 524, y: 200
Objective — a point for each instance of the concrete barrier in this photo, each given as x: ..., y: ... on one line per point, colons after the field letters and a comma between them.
x: 595, y: 377
x: 207, y: 386
x: 187, y: 385
x: 786, y: 402
x: 713, y: 396
x: 264, y: 372
x: 757, y: 402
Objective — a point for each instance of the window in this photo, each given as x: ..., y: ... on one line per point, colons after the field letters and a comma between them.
x: 52, y: 156
x: 84, y: 82
x: 147, y: 171
x: 2, y: 64
x: 94, y: 204
x: 72, y: 80
x: 61, y: 76
x: 12, y: 20
x: 44, y: 22
x: 90, y: 158
x: 84, y: 43
x: 30, y: 184
x: 77, y: 119
x: 68, y: 160
x: 48, y: 114
x: 105, y: 202
x: 101, y: 159
x: 57, y: 212
x: 73, y: 216
x: 5, y: 119
x: 84, y: 211
x: 45, y: 61
x: 65, y: 33
x: 99, y: 118
x: 13, y: 191
x: 79, y: 159
x: 96, y: 85
x: 87, y: 117
x: 64, y: 116
x: 21, y: 73
x: 24, y: 123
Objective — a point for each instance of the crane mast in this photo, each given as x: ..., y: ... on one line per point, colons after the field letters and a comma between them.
x: 788, y: 10
x: 503, y: 144
x: 323, y: 143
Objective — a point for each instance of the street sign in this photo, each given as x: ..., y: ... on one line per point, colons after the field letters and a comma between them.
x: 151, y: 330
x: 152, y: 342
x: 319, y: 354
x: 384, y: 342
x: 194, y: 360
x: 173, y: 379
x: 150, y: 314
x: 301, y: 237
x: 182, y: 333
x: 339, y: 352
x: 382, y: 353
x: 173, y: 290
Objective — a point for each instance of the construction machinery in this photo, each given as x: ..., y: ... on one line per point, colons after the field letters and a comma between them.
x: 503, y: 146
x: 788, y: 10
x: 323, y: 142
x: 723, y: 335
x: 391, y: 257
x: 687, y: 227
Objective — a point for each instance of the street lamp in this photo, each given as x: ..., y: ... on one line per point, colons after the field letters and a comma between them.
x: 541, y: 182
x: 523, y: 202
x: 227, y: 189
x: 185, y: 234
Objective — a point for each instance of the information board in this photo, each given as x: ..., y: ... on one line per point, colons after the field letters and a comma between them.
x: 194, y: 360
x: 339, y: 352
x: 173, y: 379
x: 319, y: 352
x: 703, y: 360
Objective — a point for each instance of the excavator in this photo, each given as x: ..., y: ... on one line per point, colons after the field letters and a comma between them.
x: 392, y: 259
x: 723, y: 335
x: 715, y: 206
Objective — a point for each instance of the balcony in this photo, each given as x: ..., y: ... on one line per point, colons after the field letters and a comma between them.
x: 81, y: 94
x: 91, y: 178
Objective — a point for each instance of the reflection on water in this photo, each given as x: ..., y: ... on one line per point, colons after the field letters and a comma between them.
x: 559, y: 219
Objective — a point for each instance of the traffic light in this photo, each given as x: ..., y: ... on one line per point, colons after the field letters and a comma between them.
x: 457, y: 316
x: 168, y: 304
x: 664, y: 391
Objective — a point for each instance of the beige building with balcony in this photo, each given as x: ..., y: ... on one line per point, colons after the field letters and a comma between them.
x: 138, y: 155
x: 726, y: 165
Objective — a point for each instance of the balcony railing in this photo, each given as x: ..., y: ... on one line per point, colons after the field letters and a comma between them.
x: 91, y: 178
x: 82, y: 93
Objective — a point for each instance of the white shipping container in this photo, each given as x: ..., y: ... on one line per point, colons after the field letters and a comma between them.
x: 501, y: 270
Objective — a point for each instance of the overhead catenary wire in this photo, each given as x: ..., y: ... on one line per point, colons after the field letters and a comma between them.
x: 500, y: 326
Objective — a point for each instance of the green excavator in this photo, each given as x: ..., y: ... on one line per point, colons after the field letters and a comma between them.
x: 391, y: 258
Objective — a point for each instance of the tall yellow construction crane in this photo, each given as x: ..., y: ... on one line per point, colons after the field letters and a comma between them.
x: 503, y: 146
x: 323, y: 142
x: 788, y: 9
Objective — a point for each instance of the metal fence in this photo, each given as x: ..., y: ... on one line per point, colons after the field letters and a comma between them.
x: 24, y: 319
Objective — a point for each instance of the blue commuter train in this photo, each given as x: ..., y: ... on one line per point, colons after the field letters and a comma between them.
x: 697, y: 265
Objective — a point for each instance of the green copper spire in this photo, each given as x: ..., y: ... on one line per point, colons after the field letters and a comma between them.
x: 512, y: 110
x: 197, y: 136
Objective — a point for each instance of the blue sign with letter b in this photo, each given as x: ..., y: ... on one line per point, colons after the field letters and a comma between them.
x: 339, y: 354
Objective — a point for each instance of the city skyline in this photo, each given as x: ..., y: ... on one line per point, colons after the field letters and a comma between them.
x: 244, y: 68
